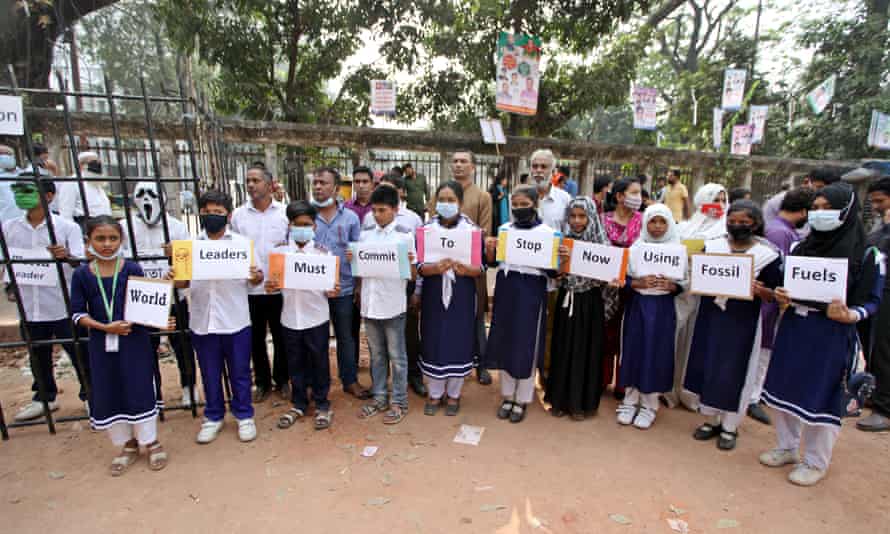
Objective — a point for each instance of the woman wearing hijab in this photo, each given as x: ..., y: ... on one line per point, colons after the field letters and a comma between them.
x: 647, y: 349
x: 816, y: 347
x: 708, y: 222
x: 574, y: 384
x: 723, y: 360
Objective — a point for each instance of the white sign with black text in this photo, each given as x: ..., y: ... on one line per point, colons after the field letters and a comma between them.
x: 816, y: 279
x: 34, y: 274
x: 12, y: 117
x: 722, y: 275
x: 668, y: 261
x: 148, y: 301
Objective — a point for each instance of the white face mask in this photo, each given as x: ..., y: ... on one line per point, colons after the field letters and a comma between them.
x: 825, y: 220
x: 148, y: 202
x: 322, y: 204
x: 119, y: 252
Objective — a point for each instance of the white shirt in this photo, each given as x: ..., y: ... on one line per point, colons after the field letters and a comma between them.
x: 302, y: 308
x: 70, y: 205
x: 150, y: 242
x: 44, y: 303
x: 219, y: 306
x: 552, y: 207
x: 404, y: 217
x: 267, y: 229
x: 384, y: 298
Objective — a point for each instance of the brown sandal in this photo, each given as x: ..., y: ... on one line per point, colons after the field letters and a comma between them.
x: 126, y: 458
x: 157, y: 458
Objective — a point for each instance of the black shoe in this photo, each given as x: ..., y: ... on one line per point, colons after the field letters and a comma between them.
x: 260, y: 394
x: 727, y: 440
x: 417, y: 385
x: 431, y: 407
x: 452, y: 407
x: 756, y: 412
x: 505, y: 410
x: 517, y: 416
x: 707, y: 431
x: 483, y: 376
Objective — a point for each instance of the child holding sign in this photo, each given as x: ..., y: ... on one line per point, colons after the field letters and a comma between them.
x: 448, y: 310
x: 647, y: 343
x: 816, y: 347
x: 384, y: 307
x: 574, y: 383
x: 122, y: 362
x: 305, y: 318
x: 725, y: 351
x: 516, y: 338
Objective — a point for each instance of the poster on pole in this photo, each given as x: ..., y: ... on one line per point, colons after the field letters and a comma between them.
x: 821, y: 96
x: 383, y: 97
x: 718, y: 128
x: 492, y: 132
x: 741, y: 139
x: 644, y: 108
x: 757, y: 119
x: 518, y: 76
x: 879, y: 131
x: 733, y: 89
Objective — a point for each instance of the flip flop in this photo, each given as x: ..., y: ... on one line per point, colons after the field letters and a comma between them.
x: 323, y: 419
x: 290, y: 417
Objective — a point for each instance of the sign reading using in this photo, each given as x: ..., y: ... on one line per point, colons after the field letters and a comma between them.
x: 304, y: 271
x: 668, y: 261
x: 148, y: 301
x: 816, y: 279
x: 592, y: 260
x: 722, y: 275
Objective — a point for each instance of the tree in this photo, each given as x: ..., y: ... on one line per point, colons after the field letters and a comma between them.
x: 29, y: 30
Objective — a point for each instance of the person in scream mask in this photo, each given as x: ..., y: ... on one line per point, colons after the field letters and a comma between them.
x: 148, y: 230
x: 70, y: 202
x: 45, y: 314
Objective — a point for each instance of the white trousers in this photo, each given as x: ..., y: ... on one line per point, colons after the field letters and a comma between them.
x: 762, y: 368
x: 439, y: 387
x: 730, y: 421
x: 818, y: 440
x: 145, y: 432
x: 632, y: 397
x: 521, y: 391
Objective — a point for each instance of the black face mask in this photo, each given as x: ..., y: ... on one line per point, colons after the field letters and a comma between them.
x: 740, y: 232
x: 801, y: 223
x: 95, y: 166
x: 214, y: 223
x: 524, y: 216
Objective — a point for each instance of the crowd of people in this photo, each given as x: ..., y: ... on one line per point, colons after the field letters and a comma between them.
x: 647, y: 338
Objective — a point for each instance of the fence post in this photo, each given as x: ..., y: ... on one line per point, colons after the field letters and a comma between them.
x: 169, y: 169
x: 747, y: 178
x: 271, y: 157
x: 444, y: 167
x: 585, y: 181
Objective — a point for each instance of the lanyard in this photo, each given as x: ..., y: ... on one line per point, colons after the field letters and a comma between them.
x: 109, y: 306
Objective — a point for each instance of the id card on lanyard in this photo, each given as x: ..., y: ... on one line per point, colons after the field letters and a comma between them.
x: 112, y: 341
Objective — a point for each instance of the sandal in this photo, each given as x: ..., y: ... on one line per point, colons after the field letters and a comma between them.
x: 157, y: 458
x: 707, y: 431
x: 323, y: 419
x: 370, y: 410
x: 518, y: 413
x: 727, y: 440
x: 290, y: 417
x: 505, y: 409
x: 431, y: 406
x: 452, y: 407
x: 127, y: 457
x: 394, y: 415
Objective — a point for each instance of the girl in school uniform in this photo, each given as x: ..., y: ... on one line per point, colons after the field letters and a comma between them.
x: 517, y: 334
x: 448, y: 310
x: 574, y: 384
x: 725, y: 351
x: 816, y: 347
x: 646, y: 369
x: 122, y: 361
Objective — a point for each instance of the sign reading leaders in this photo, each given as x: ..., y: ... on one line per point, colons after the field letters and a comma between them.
x: 212, y: 259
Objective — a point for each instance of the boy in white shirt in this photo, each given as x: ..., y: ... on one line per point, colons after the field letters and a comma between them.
x: 383, y: 308
x: 305, y: 321
x: 220, y: 325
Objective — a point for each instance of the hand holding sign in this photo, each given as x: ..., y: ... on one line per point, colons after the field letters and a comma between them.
x: 319, y: 272
x: 723, y: 275
x: 593, y: 260
x: 148, y: 302
x: 214, y: 259
x: 537, y: 247
x: 816, y: 279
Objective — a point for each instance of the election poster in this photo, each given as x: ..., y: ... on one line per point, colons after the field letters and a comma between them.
x: 644, y: 108
x: 383, y: 97
x: 518, y: 77
x: 733, y: 89
x: 718, y: 128
x: 757, y: 119
x: 741, y: 139
x: 879, y: 132
x: 821, y: 96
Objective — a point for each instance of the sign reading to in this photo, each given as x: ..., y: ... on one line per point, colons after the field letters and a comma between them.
x: 148, y: 301
x: 464, y: 246
x: 304, y: 271
x: 537, y: 248
x: 34, y: 274
x: 593, y: 260
x: 668, y: 261
x: 380, y: 260
x: 212, y: 259
x: 12, y: 117
x: 722, y: 275
x: 816, y: 279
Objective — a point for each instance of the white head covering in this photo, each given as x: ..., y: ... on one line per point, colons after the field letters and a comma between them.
x: 701, y: 226
x: 147, y: 202
x: 671, y: 236
x: 89, y: 155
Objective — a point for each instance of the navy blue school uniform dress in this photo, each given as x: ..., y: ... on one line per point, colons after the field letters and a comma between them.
x: 448, y: 334
x: 727, y: 336
x: 123, y: 388
x: 647, y: 342
x: 812, y: 354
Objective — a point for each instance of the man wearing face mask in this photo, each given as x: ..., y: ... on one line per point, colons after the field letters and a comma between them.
x: 263, y: 220
x: 477, y: 206
x: 70, y: 203
x: 148, y: 230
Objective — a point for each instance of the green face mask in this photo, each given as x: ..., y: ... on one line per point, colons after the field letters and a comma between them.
x: 26, y: 197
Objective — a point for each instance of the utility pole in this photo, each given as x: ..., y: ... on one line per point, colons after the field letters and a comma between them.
x: 756, y: 36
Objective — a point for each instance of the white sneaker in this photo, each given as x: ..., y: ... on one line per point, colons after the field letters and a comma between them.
x: 246, y: 430
x: 805, y: 475
x: 34, y: 410
x: 779, y: 457
x: 644, y: 419
x: 626, y: 414
x: 209, y: 431
x: 187, y: 397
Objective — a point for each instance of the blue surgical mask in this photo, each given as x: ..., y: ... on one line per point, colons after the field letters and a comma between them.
x: 824, y: 220
x: 302, y: 234
x: 7, y: 161
x: 447, y: 210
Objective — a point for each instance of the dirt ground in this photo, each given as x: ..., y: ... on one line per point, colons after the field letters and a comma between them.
x: 544, y: 475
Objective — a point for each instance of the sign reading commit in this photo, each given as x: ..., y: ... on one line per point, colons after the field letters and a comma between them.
x: 593, y: 260
x: 380, y: 260
x: 304, y: 271
x: 219, y: 259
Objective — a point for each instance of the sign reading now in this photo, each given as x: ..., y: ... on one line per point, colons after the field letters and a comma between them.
x: 593, y: 260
